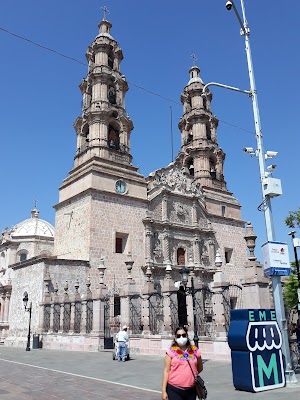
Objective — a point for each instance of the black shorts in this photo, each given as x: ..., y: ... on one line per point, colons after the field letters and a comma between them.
x: 175, y: 393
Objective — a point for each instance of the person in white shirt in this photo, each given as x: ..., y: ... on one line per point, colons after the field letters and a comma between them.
x: 122, y: 340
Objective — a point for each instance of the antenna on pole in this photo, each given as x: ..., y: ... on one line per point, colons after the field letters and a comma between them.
x: 171, y: 123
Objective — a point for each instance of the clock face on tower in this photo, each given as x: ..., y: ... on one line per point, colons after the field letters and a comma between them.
x: 121, y: 186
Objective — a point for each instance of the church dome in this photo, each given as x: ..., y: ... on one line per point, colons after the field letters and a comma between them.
x: 33, y: 226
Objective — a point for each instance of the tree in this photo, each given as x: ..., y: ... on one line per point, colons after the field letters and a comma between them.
x: 290, y: 295
x: 290, y: 289
x: 293, y: 219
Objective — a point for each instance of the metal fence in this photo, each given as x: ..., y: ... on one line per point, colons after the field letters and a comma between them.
x: 135, y: 314
x: 156, y: 313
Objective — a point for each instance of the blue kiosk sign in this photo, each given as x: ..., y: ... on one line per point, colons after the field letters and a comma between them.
x: 255, y: 342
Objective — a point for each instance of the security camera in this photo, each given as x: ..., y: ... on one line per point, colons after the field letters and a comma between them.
x: 271, y: 167
x: 271, y: 154
x: 248, y: 150
x: 229, y: 5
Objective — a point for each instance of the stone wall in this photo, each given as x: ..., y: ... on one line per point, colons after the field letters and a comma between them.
x: 26, y: 279
x: 72, y: 228
x: 29, y: 277
x: 115, y: 216
x: 230, y: 236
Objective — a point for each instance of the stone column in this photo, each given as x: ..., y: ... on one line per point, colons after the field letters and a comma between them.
x: 103, y: 131
x: 2, y: 307
x: 61, y: 318
x: 83, y: 317
x: 197, y: 252
x: 146, y: 314
x: 211, y: 253
x: 149, y: 238
x: 51, y: 318
x: 72, y: 316
x: 125, y: 309
x: 256, y: 292
x: 166, y: 247
x: 168, y: 287
x: 165, y: 208
x: 6, y: 307
x: 194, y: 213
x: 219, y: 284
x: 98, y: 303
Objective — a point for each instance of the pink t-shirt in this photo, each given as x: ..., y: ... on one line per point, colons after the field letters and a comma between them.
x: 180, y: 372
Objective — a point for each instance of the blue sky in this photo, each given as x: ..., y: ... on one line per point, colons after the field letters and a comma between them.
x: 41, y: 98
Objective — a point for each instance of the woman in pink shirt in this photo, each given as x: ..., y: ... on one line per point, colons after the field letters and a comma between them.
x: 182, y: 363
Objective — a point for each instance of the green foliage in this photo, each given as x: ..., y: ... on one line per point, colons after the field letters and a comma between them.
x: 290, y: 296
x: 293, y: 219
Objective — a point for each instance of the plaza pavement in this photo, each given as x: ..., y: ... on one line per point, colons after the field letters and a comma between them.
x: 47, y: 375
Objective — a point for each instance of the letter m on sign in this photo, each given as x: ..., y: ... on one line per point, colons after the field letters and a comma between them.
x: 263, y: 369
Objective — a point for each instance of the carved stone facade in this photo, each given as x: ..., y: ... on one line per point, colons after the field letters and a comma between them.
x: 120, y: 238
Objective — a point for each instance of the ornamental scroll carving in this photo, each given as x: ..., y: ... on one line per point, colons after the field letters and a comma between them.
x: 176, y: 180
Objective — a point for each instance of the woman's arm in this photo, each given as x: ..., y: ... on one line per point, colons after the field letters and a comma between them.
x: 199, y: 365
x: 165, y: 377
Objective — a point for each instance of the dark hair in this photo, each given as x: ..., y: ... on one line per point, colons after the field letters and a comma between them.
x: 180, y: 328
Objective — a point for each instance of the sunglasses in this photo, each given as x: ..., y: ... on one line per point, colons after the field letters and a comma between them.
x: 178, y: 335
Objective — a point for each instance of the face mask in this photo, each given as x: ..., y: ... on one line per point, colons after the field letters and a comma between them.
x: 182, y: 341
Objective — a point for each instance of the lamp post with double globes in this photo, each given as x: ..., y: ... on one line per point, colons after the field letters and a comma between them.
x: 28, y: 309
x: 184, y: 272
x: 295, y: 242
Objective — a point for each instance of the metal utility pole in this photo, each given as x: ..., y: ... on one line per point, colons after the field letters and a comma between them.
x: 267, y: 208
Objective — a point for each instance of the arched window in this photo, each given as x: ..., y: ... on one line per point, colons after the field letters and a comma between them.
x: 23, y: 256
x: 208, y: 132
x: 111, y: 95
x: 190, y: 166
x: 113, y: 138
x: 2, y: 260
x: 111, y: 60
x: 86, y: 134
x: 190, y: 137
x: 212, y: 168
x: 180, y: 256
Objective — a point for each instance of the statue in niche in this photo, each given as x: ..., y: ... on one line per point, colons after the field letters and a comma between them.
x: 157, y: 247
x: 112, y: 96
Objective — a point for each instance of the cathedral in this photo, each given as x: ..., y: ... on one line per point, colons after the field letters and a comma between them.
x: 121, y: 239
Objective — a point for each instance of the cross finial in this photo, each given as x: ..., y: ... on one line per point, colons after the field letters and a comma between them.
x: 194, y: 58
x: 105, y: 11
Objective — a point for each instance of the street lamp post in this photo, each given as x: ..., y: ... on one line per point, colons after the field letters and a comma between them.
x: 29, y: 309
x: 292, y: 234
x: 276, y: 280
x: 184, y: 272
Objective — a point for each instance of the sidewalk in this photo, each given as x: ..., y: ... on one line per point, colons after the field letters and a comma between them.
x: 48, y: 374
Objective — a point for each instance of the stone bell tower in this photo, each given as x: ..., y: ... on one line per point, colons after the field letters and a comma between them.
x: 103, y: 200
x: 202, y: 156
x: 104, y: 127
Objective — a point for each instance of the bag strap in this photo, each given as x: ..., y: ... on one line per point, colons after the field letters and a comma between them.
x: 191, y: 368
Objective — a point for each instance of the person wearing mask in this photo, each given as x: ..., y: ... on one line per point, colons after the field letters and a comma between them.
x: 122, y: 340
x: 182, y: 363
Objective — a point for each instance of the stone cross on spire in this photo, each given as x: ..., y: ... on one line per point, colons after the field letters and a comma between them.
x: 105, y: 11
x: 194, y: 58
